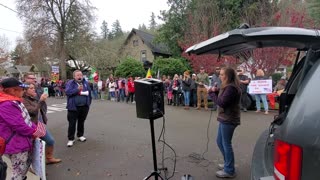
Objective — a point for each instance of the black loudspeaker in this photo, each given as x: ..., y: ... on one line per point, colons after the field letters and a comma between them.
x: 149, y: 98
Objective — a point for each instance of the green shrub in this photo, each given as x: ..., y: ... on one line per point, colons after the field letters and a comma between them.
x: 169, y: 66
x: 130, y: 67
x: 276, y: 77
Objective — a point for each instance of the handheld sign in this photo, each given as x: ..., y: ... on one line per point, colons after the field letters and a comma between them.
x: 260, y: 86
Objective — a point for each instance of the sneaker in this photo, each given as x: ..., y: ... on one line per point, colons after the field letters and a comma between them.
x: 245, y: 110
x: 222, y: 174
x: 82, y: 139
x: 266, y: 112
x: 70, y: 143
x: 257, y: 111
x: 220, y: 166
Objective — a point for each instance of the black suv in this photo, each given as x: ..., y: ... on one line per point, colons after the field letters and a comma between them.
x: 290, y: 148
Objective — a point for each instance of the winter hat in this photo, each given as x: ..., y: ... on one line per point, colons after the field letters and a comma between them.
x: 12, y: 82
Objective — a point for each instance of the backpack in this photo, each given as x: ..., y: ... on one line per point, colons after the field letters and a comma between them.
x: 3, y: 165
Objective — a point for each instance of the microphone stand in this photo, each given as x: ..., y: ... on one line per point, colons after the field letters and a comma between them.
x: 155, y: 172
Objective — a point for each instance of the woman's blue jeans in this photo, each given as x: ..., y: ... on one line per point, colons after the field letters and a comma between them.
x: 121, y: 95
x: 186, y: 95
x: 263, y: 97
x: 48, y: 138
x: 224, y: 141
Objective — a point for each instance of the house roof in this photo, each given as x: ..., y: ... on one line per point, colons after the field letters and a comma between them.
x: 12, y: 70
x: 23, y: 69
x: 147, y: 38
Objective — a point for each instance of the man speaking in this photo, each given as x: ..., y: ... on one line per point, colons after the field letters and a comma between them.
x: 79, y: 99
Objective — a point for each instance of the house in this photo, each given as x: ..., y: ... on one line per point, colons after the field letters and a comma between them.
x: 140, y: 46
x: 18, y: 71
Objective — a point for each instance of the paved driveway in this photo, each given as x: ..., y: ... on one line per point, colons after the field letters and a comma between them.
x: 118, y: 144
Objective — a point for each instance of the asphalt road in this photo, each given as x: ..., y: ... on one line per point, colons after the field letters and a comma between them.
x: 118, y: 145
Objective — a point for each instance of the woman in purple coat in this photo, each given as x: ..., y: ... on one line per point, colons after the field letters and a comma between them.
x: 15, y: 122
x: 228, y: 100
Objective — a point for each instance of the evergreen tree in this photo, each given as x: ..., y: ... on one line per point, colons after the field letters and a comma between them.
x: 142, y: 27
x: 116, y: 29
x: 104, y: 30
x: 153, y: 23
x: 314, y: 9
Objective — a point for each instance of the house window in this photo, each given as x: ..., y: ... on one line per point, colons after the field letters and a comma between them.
x: 135, y: 43
x: 143, y: 55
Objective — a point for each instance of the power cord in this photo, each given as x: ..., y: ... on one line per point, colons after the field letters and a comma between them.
x: 163, y: 140
x: 198, y: 158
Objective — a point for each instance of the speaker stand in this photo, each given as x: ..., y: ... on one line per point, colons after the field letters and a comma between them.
x: 155, y: 172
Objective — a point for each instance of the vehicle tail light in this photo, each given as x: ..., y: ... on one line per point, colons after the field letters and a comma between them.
x: 287, y: 161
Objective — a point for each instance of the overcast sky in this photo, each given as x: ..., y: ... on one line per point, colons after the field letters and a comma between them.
x: 130, y: 13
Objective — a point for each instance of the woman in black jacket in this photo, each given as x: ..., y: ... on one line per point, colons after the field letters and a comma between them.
x: 175, y: 84
x: 186, y: 88
x: 228, y: 100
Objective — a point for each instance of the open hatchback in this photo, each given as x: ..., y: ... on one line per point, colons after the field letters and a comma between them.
x: 290, y: 148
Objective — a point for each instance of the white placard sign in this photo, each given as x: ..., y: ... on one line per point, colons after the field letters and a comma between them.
x: 100, y: 84
x: 55, y: 69
x: 38, y: 158
x: 260, y: 86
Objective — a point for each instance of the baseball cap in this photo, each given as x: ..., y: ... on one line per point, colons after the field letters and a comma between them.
x: 12, y: 82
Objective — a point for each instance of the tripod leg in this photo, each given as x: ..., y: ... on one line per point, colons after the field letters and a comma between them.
x: 160, y: 176
x: 155, y: 174
x: 148, y: 177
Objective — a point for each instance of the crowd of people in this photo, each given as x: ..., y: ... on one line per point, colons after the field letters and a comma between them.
x: 187, y: 90
x: 23, y: 108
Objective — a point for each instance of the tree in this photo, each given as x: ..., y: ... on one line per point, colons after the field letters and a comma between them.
x: 175, y: 24
x: 269, y: 59
x: 142, y: 27
x: 116, y: 30
x: 130, y: 67
x: 314, y: 10
x: 153, y: 23
x: 169, y: 66
x: 54, y: 19
x: 4, y: 52
x: 104, y: 30
x: 265, y: 9
x: 105, y: 55
x: 39, y: 50
x: 20, y: 52
x: 4, y: 43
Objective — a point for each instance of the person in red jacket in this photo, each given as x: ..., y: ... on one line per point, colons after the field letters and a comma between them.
x: 130, y: 90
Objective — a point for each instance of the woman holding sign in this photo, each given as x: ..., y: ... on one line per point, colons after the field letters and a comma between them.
x: 228, y: 100
x: 263, y: 97
x: 16, y: 127
x: 37, y: 111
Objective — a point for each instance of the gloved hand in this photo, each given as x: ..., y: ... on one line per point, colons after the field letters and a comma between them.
x: 40, y: 130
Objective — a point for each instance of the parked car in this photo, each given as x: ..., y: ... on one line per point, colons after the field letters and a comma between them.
x: 290, y: 148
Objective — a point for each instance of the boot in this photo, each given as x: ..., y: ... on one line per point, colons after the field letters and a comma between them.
x: 49, y: 156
